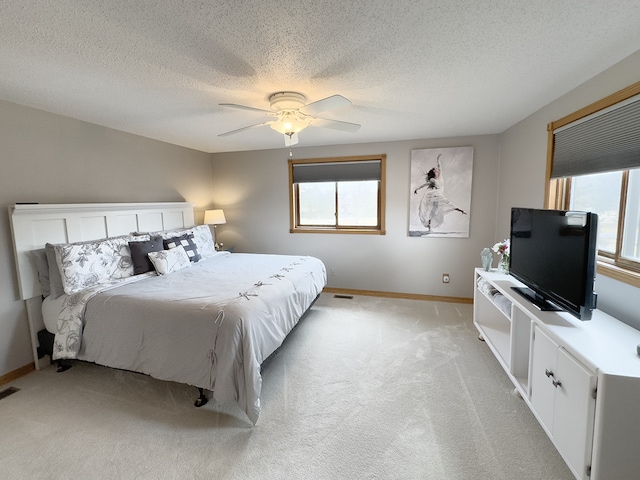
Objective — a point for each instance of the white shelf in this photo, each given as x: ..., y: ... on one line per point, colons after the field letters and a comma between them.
x: 494, y: 326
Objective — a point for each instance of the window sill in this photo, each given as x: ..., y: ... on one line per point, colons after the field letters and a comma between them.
x: 618, y: 273
x: 361, y: 231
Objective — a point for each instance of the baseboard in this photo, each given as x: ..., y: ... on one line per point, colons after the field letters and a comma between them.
x: 407, y: 296
x: 20, y: 372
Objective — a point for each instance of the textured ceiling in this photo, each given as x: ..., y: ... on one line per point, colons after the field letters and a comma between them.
x: 412, y: 69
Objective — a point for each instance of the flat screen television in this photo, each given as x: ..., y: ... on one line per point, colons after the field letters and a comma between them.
x: 553, y: 252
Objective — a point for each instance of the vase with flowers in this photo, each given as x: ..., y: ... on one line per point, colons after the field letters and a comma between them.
x: 502, y: 249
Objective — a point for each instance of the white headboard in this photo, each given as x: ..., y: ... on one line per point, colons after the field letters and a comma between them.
x: 35, y: 225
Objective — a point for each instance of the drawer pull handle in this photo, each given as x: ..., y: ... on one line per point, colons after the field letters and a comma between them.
x: 548, y: 373
x: 556, y: 383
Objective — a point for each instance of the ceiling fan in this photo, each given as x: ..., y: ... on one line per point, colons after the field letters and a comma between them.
x: 291, y: 114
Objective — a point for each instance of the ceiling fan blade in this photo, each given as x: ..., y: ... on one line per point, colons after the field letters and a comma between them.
x: 335, y: 124
x: 329, y: 103
x: 238, y: 130
x: 244, y: 107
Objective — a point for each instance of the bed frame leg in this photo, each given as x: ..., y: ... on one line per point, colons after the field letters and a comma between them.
x: 62, y: 367
x: 202, y: 398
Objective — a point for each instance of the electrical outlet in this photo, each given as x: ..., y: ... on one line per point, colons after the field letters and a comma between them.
x: 445, y: 278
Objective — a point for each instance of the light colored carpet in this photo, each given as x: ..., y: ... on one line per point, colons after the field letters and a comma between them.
x: 368, y: 388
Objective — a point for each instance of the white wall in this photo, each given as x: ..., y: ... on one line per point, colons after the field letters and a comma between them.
x: 47, y: 158
x: 252, y: 188
x: 523, y: 150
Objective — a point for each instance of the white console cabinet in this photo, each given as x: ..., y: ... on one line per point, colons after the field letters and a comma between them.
x: 580, y: 379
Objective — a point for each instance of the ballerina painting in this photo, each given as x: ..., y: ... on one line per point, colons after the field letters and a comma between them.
x: 435, y: 212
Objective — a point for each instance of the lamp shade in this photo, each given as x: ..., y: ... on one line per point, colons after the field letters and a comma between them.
x: 214, y: 217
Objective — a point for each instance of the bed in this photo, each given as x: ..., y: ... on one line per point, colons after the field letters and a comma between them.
x: 143, y: 289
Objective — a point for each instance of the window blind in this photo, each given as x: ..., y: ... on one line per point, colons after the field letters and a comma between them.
x: 337, y: 171
x: 605, y: 141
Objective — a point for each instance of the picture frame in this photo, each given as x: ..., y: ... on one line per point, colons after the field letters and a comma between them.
x: 440, y: 195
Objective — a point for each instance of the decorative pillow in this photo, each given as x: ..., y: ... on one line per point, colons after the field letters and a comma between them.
x: 204, y: 241
x: 201, y: 235
x: 56, y: 287
x: 139, y: 254
x: 39, y: 258
x: 83, y: 265
x: 185, y: 241
x: 169, y: 261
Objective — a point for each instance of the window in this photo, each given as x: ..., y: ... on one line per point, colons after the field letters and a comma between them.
x: 337, y: 195
x: 614, y: 196
x: 594, y: 165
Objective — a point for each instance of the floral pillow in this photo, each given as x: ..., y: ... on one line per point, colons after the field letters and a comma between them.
x: 83, y: 265
x: 169, y: 261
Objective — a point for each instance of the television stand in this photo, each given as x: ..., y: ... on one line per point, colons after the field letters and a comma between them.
x: 580, y: 379
x: 539, y: 302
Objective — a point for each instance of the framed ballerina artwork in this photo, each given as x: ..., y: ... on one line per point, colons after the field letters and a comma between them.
x: 440, y: 197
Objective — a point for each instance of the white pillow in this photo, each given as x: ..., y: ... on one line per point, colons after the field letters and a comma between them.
x: 168, y: 261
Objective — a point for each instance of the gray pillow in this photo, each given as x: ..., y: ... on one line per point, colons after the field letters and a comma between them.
x: 39, y: 258
x: 56, y: 287
x: 140, y: 252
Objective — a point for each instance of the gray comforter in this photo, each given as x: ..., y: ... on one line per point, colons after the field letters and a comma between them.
x: 210, y: 325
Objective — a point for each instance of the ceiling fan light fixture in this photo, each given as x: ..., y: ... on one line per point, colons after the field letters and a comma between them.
x: 289, y: 122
